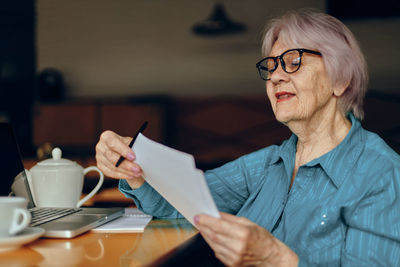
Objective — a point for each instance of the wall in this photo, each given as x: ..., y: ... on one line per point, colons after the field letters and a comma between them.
x: 128, y: 47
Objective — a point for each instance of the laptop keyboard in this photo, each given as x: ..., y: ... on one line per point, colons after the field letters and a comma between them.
x: 43, y: 215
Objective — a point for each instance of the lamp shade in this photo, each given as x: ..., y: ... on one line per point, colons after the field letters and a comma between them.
x: 218, y: 24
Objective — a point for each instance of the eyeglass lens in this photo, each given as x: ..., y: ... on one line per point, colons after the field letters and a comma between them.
x: 290, y: 62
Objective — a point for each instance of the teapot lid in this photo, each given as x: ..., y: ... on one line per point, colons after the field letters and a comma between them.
x: 56, y: 160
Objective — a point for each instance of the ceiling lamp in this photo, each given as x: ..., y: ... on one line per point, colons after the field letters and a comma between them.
x: 218, y: 24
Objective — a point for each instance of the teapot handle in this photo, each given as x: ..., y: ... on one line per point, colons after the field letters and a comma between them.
x: 97, y: 187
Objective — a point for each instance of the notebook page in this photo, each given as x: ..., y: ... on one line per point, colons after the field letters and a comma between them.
x: 133, y: 221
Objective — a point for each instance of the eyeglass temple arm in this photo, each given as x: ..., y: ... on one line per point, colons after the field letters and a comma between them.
x: 261, y: 67
x: 312, y: 52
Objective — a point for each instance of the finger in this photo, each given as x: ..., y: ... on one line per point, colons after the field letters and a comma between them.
x: 206, y: 220
x: 235, y: 219
x: 215, y: 229
x: 106, y: 162
x: 131, y: 167
x: 213, y: 238
x: 227, y: 233
x: 105, y: 153
x: 111, y: 171
x: 127, y: 167
x: 110, y: 141
x: 123, y: 147
x: 221, y: 253
x: 109, y: 157
x: 235, y: 238
x: 105, y: 157
x: 218, y: 225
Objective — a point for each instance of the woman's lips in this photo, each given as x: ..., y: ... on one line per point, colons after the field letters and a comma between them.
x: 283, y: 96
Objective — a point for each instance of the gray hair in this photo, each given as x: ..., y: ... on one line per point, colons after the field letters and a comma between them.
x: 344, y: 61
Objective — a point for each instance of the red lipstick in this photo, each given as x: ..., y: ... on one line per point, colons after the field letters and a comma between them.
x: 283, y: 96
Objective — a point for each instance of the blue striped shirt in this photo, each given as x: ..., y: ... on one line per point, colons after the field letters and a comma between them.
x: 342, y: 210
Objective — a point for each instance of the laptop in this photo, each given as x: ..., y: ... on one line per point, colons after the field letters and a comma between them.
x: 73, y: 222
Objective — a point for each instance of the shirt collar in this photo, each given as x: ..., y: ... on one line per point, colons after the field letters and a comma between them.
x: 335, y: 163
x: 287, y: 153
x: 347, y: 151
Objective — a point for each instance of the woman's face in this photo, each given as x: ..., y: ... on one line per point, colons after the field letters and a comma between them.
x: 302, y: 95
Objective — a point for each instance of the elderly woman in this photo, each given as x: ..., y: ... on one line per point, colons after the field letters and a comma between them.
x: 329, y: 195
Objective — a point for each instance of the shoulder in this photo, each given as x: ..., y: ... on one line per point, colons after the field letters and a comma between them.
x: 266, y: 155
x: 378, y: 165
x: 369, y: 148
x: 372, y: 182
x: 378, y: 153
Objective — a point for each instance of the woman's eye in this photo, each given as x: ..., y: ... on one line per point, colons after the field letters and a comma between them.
x: 295, y: 62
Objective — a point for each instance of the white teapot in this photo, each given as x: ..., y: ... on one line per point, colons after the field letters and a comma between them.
x: 58, y: 182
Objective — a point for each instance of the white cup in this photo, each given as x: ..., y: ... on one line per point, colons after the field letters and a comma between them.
x: 14, y: 216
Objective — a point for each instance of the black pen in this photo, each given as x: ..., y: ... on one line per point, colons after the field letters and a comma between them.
x: 141, y: 129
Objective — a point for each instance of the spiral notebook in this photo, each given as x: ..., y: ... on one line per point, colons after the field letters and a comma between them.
x: 133, y: 221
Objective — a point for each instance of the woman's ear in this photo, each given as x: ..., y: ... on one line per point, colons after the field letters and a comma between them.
x: 339, y: 89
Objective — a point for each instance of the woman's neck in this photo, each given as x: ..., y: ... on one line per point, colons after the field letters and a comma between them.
x: 319, y: 135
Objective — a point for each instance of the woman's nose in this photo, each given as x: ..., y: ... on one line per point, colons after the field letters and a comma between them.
x: 279, y: 74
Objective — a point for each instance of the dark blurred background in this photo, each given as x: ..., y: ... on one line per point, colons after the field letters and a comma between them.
x: 71, y: 69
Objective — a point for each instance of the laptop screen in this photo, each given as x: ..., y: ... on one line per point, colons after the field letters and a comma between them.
x: 11, y: 164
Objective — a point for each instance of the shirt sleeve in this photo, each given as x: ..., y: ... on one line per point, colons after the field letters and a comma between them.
x: 373, y: 235
x: 230, y: 186
x: 149, y: 200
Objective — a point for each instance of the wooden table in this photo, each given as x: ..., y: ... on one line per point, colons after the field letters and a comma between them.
x: 94, y: 249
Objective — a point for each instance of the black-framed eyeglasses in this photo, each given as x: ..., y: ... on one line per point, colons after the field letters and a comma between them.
x: 290, y: 62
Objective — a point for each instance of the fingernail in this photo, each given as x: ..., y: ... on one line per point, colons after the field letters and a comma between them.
x: 196, y: 219
x: 135, y: 169
x: 131, y: 156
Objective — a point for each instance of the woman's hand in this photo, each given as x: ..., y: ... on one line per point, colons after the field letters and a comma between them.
x: 110, y: 147
x: 237, y: 241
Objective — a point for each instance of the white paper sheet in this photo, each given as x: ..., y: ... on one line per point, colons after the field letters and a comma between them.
x: 133, y: 221
x: 174, y: 175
